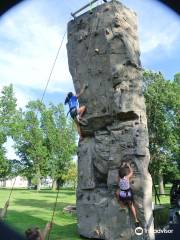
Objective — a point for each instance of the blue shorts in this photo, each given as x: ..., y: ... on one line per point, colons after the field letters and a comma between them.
x: 126, y: 195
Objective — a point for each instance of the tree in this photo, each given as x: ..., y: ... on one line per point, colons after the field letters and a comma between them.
x: 60, y: 140
x: 4, y: 164
x: 46, y: 142
x: 30, y: 143
x: 162, y: 104
x: 7, y: 110
x: 71, y: 176
x: 7, y: 118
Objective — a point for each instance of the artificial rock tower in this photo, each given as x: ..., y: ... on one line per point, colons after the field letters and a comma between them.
x: 103, y: 52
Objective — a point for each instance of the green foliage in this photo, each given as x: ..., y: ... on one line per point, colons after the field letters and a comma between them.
x: 7, y: 119
x: 29, y: 208
x: 46, y: 141
x: 60, y: 138
x: 7, y: 109
x: 30, y: 144
x: 71, y: 176
x: 4, y: 164
x: 163, y: 104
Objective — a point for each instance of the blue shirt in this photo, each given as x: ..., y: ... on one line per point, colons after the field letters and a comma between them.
x: 73, y: 102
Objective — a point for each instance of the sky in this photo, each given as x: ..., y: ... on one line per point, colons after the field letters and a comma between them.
x: 31, y: 33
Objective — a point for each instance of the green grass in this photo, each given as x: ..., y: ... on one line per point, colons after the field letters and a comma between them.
x: 29, y: 208
x: 165, y: 200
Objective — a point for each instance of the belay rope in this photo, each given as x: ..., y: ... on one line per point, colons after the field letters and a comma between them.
x: 45, y: 89
x: 55, y: 204
x: 53, y: 213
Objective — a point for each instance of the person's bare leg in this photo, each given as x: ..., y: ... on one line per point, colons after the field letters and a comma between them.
x: 81, y: 111
x: 122, y: 205
x: 117, y: 195
x: 78, y: 128
x: 133, y: 210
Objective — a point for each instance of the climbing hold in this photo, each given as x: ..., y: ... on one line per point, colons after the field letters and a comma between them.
x: 80, y: 38
x: 116, y: 22
x: 107, y: 31
x: 96, y: 50
x: 106, y: 9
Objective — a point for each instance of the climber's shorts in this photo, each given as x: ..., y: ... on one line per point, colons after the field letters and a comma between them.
x: 126, y: 195
x: 73, y: 112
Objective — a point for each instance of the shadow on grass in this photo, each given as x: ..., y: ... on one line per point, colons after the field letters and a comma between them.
x: 21, y: 221
x: 39, y: 203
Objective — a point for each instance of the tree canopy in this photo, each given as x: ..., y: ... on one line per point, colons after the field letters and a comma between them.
x: 45, y: 139
x: 162, y: 104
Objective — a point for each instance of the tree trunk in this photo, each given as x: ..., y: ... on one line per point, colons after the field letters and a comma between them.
x: 38, y: 183
x: 4, y: 182
x: 160, y: 183
x: 29, y: 182
x: 54, y: 185
x: 38, y: 178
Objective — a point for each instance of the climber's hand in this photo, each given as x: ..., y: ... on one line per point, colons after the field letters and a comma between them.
x: 127, y: 164
x: 123, y: 164
x: 85, y: 86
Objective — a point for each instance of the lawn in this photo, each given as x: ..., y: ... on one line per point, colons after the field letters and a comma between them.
x: 164, y: 199
x: 29, y: 208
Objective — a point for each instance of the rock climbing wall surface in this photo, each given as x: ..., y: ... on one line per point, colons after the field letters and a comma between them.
x: 103, y: 52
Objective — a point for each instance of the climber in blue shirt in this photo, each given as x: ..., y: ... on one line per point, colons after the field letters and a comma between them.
x: 75, y: 111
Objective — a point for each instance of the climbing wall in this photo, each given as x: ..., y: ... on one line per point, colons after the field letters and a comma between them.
x: 103, y: 52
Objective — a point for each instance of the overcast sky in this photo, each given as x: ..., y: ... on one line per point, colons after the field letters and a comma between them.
x: 31, y: 32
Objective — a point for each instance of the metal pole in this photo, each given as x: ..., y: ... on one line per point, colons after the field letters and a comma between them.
x: 87, y: 5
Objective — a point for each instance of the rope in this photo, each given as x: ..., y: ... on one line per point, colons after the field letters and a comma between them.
x: 54, y: 210
x: 54, y: 63
x: 47, y: 83
x: 12, y: 189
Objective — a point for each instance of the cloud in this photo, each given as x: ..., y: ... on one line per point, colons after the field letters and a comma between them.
x: 28, y: 50
x: 164, y: 38
x: 30, y: 38
x: 158, y: 26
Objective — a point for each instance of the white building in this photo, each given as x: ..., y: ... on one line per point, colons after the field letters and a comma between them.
x: 18, y: 182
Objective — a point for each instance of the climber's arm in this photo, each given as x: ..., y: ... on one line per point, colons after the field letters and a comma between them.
x: 44, y: 233
x: 131, y: 171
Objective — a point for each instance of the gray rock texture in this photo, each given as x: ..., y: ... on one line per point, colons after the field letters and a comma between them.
x: 103, y: 52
